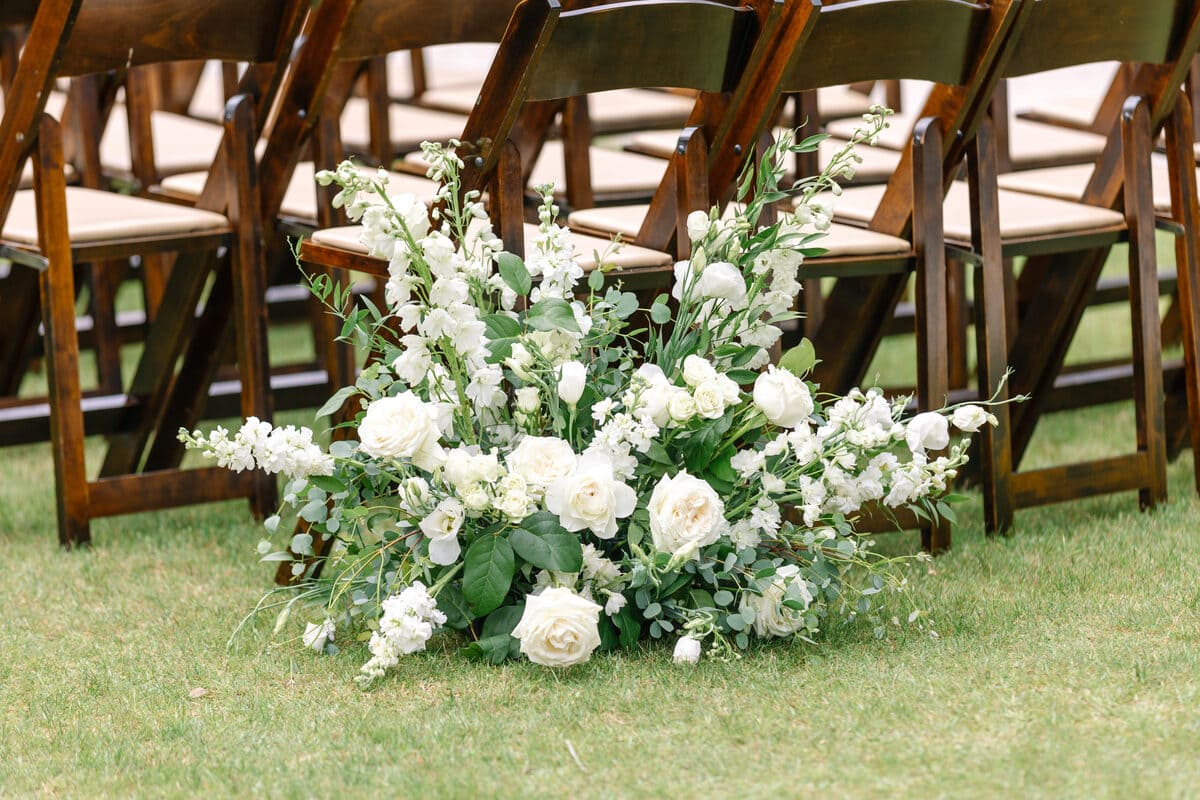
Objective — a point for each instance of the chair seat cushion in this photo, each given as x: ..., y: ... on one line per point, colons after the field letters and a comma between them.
x: 181, y: 144
x: 1069, y: 182
x: 842, y: 240
x: 586, y: 247
x: 877, y: 165
x: 614, y: 172
x: 1030, y: 143
x: 620, y: 109
x: 836, y: 102
x: 300, y: 199
x: 410, y: 125
x: 94, y: 216
x: 1021, y: 215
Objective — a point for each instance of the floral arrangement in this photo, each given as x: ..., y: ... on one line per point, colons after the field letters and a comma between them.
x: 544, y: 462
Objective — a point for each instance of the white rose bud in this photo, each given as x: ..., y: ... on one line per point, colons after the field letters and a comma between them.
x: 558, y: 628
x: 402, y: 427
x: 697, y: 225
x: 528, y: 399
x: 680, y: 406
x: 571, y: 379
x: 710, y: 399
x: 696, y: 370
x: 928, y: 431
x: 783, y: 398
x: 685, y: 515
x: 687, y: 650
x: 969, y: 419
x: 724, y: 282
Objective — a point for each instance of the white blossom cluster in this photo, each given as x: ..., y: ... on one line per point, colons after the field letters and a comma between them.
x: 259, y: 445
x: 409, y: 620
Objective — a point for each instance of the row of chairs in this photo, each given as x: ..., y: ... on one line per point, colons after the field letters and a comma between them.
x: 755, y: 54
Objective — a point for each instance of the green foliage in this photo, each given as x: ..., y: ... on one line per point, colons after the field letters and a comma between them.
x: 488, y: 573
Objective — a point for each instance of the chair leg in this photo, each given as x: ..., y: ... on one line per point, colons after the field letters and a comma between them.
x: 1143, y: 301
x: 57, y: 288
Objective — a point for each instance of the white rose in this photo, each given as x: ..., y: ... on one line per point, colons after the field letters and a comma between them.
x: 685, y: 515
x: 541, y: 460
x: 402, y: 427
x: 652, y: 402
x: 697, y: 225
x: 969, y: 419
x: 680, y: 406
x: 442, y: 526
x: 559, y: 628
x: 771, y: 617
x: 571, y: 379
x: 696, y: 370
x: 927, y: 431
x: 591, y: 497
x: 783, y: 398
x: 317, y: 634
x: 528, y: 399
x: 464, y: 467
x: 687, y: 650
x: 724, y: 282
x: 710, y: 400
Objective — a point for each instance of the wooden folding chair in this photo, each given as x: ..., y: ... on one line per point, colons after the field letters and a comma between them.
x: 1066, y: 242
x: 53, y: 227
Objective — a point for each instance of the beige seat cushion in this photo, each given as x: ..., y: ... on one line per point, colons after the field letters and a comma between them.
x: 614, y: 172
x: 300, y: 200
x: 1069, y: 183
x: 842, y: 240
x: 586, y: 247
x: 95, y: 216
x: 181, y: 144
x: 1021, y: 215
x: 410, y: 126
x: 877, y: 165
x: 1029, y: 142
x: 836, y: 102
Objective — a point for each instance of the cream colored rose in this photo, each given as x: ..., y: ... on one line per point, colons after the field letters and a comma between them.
x: 714, y: 395
x: 591, y: 497
x: 680, y: 405
x: 559, y: 628
x: 541, y: 460
x: 771, y: 617
x: 696, y: 370
x: 685, y: 515
x: 402, y: 427
x: 783, y: 398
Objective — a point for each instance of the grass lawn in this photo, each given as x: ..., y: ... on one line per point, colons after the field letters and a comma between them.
x: 1067, y: 665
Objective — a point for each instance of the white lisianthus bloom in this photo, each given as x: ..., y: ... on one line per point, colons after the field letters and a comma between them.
x: 591, y: 497
x: 969, y: 419
x: 652, y: 402
x: 771, y: 617
x: 403, y: 426
x: 697, y: 225
x: 317, y: 634
x: 680, y: 406
x: 528, y: 399
x: 685, y: 515
x: 442, y: 526
x: 571, y: 379
x: 616, y: 601
x: 783, y: 398
x: 697, y: 370
x: 723, y: 282
x: 928, y: 431
x: 542, y: 460
x: 687, y: 650
x: 519, y: 361
x: 558, y: 628
x: 413, y: 493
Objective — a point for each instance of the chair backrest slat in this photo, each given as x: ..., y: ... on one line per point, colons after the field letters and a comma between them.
x: 176, y: 30
x: 380, y: 27
x: 1064, y: 33
x: 866, y: 40
x: 637, y: 44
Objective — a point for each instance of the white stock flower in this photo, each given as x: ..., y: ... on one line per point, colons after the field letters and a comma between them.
x: 442, y: 526
x: 558, y: 628
x: 685, y: 515
x: 542, y: 460
x: 969, y: 419
x: 616, y: 601
x: 927, y: 431
x: 771, y: 617
x: 783, y: 398
x: 316, y: 634
x: 402, y: 427
x: 687, y: 650
x: 591, y: 497
x: 571, y: 379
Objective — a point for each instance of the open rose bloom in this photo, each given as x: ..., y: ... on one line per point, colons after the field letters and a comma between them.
x: 522, y: 473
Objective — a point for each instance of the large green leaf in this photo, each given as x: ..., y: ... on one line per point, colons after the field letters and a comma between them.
x: 514, y: 274
x: 552, y: 314
x: 799, y: 359
x: 488, y: 573
x: 545, y: 544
